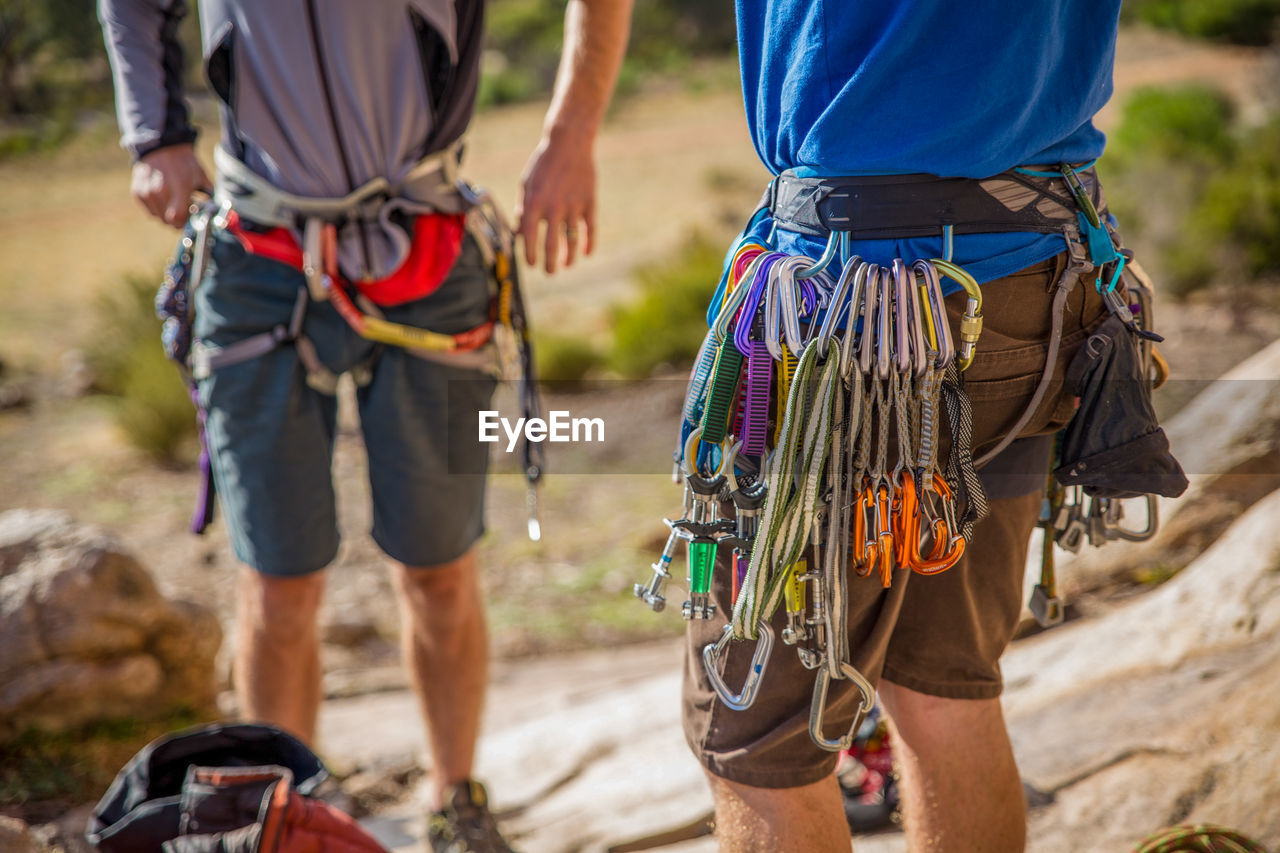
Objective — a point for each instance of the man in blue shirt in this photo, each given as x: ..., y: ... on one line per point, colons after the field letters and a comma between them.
x: 953, y: 90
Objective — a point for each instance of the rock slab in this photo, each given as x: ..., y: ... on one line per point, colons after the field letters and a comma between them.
x: 85, y: 635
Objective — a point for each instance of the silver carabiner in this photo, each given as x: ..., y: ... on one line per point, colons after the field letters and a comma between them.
x: 871, y: 293
x: 818, y: 708
x: 915, y: 317
x: 839, y: 305
x: 902, y: 325
x: 711, y: 652
x: 789, y: 303
x: 1117, y: 531
x: 828, y: 255
x: 884, y: 326
x: 938, y: 308
x: 856, y: 299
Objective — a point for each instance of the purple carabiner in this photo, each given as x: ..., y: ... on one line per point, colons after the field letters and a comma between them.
x: 747, y: 313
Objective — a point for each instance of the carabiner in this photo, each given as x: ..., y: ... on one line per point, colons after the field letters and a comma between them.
x: 971, y: 321
x: 920, y: 355
x: 948, y: 546
x: 789, y: 304
x: 711, y: 652
x: 901, y: 319
x: 937, y: 311
x: 856, y: 300
x: 734, y: 299
x: 866, y: 352
x: 884, y: 326
x: 828, y: 255
x: 884, y: 534
x: 1116, y: 531
x: 840, y: 304
x: 818, y: 708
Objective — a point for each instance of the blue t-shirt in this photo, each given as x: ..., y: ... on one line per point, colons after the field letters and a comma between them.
x: 935, y: 86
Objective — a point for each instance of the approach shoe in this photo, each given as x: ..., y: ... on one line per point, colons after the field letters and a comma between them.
x: 465, y: 824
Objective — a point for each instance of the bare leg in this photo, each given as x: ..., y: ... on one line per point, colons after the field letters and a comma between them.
x: 808, y: 819
x: 277, y: 661
x: 447, y: 651
x: 960, y: 785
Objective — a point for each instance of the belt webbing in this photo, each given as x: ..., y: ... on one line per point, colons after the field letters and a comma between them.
x: 899, y: 206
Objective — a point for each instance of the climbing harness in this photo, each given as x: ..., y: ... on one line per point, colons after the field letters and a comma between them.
x: 442, y: 209
x: 817, y: 405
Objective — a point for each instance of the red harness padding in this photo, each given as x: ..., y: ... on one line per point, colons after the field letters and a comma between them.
x: 437, y: 242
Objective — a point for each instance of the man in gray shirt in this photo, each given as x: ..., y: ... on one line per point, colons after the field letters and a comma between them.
x: 322, y: 101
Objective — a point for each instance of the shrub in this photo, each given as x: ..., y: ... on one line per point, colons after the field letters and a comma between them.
x: 565, y: 358
x: 1241, y: 204
x: 667, y: 323
x: 1186, y: 123
x: 152, y: 406
x: 1248, y: 22
x: 1207, y: 193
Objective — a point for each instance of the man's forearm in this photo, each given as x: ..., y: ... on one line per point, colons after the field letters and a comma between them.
x: 146, y: 63
x: 595, y: 40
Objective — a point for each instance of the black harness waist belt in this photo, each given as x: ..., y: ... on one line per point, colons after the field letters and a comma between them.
x: 898, y: 206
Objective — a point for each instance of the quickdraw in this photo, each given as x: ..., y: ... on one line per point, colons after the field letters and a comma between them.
x: 814, y: 409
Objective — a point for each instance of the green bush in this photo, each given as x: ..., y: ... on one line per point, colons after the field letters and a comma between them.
x: 1185, y: 123
x: 1248, y: 22
x: 667, y: 323
x: 1241, y: 204
x: 1202, y: 192
x: 565, y: 358
x: 524, y: 37
x: 152, y: 406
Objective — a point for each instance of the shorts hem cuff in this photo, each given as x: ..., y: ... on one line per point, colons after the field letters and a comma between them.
x: 786, y: 778
x: 943, y: 690
x: 449, y: 556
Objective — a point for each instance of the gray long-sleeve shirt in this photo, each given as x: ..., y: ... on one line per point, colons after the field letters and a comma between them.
x: 318, y: 96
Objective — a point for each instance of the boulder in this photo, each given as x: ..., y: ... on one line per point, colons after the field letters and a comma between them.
x: 1165, y: 710
x: 85, y: 634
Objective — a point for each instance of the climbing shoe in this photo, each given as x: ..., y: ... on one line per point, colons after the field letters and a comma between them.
x: 465, y: 824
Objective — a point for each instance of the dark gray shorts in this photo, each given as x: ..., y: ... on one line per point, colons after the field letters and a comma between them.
x: 271, y: 436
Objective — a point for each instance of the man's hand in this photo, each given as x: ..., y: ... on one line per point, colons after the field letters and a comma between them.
x: 164, y: 180
x: 558, y: 192
x: 558, y: 189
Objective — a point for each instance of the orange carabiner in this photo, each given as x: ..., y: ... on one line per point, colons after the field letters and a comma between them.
x: 884, y: 544
x: 948, y: 546
x: 860, y: 544
x: 906, y: 519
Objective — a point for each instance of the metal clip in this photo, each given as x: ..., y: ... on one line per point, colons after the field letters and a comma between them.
x: 1045, y: 607
x: 711, y: 652
x: 818, y: 708
x: 1117, y: 531
x: 652, y: 592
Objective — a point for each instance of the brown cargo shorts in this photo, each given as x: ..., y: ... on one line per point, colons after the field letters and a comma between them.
x: 944, y: 634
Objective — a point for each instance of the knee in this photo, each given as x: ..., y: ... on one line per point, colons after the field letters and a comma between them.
x: 280, y: 606
x: 922, y: 717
